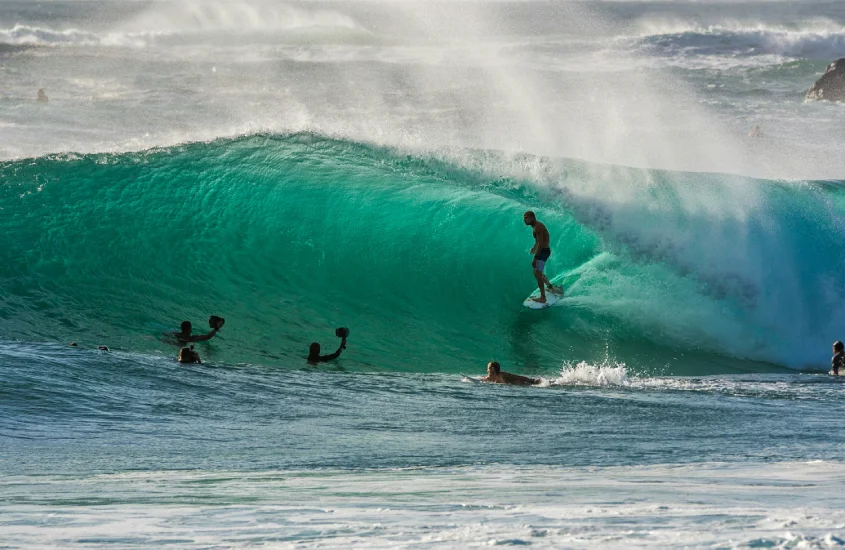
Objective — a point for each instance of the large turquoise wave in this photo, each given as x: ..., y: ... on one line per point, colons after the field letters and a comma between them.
x: 423, y: 256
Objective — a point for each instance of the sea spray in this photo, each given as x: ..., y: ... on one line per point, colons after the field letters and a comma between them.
x: 585, y: 374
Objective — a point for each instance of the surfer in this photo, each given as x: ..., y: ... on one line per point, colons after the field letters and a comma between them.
x: 216, y: 323
x: 838, y: 360
x: 541, y: 252
x: 497, y: 376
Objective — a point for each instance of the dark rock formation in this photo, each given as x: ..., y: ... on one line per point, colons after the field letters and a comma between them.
x: 831, y: 86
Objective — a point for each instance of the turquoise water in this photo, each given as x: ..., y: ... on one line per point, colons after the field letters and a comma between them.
x: 425, y: 258
x: 667, y: 355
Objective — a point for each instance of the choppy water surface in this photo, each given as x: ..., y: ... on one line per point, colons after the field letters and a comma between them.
x: 112, y: 448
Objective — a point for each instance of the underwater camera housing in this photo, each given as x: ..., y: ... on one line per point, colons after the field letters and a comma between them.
x: 341, y: 332
x: 216, y: 322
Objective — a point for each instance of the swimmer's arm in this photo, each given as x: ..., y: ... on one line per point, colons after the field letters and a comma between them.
x: 336, y: 354
x: 204, y: 337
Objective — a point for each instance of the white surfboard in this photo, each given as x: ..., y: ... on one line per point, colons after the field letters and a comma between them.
x: 551, y: 299
x: 471, y: 379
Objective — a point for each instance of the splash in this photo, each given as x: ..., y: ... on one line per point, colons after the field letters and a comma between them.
x: 585, y: 374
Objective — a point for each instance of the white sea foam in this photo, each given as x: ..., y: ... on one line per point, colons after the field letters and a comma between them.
x: 585, y: 374
x: 183, y: 19
x: 650, y: 26
x: 788, y: 505
x: 821, y: 39
x: 26, y: 35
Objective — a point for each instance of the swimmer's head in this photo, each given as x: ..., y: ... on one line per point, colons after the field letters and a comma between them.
x: 838, y: 346
x: 494, y: 368
x: 186, y: 327
x: 529, y: 217
x: 314, y: 350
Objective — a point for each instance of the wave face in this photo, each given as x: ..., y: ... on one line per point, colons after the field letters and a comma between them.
x: 424, y: 258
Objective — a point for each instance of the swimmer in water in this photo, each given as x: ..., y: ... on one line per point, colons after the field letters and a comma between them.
x: 314, y: 352
x: 837, y: 362
x: 185, y: 335
x: 496, y: 375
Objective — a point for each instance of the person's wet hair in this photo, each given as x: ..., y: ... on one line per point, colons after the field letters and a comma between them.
x: 497, y: 368
x: 838, y: 346
x: 186, y: 326
x: 314, y: 349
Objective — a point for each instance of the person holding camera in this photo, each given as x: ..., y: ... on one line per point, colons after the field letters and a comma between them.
x: 314, y: 350
x: 215, y: 322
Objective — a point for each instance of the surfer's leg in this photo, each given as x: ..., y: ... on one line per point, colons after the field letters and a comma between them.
x: 552, y: 288
x: 541, y: 279
x: 539, y: 276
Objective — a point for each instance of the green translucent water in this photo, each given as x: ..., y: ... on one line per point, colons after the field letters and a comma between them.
x: 425, y: 260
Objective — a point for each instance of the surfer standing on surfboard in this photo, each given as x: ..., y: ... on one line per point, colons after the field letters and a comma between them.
x: 541, y: 252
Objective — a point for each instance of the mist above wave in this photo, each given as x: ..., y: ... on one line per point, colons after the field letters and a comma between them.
x: 189, y: 16
x: 560, y: 79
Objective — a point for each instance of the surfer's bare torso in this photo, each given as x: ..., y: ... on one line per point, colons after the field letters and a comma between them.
x: 541, y: 237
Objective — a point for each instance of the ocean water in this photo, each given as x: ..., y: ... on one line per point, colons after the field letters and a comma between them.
x: 295, y: 167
